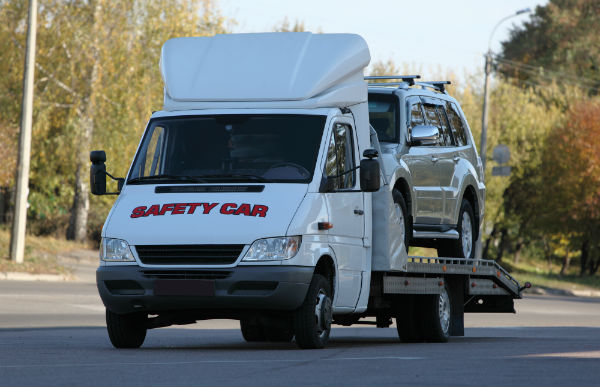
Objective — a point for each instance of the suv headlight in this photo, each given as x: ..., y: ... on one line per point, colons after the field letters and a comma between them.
x: 273, y: 249
x: 115, y: 250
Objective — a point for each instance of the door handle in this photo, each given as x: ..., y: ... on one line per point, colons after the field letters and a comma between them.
x: 359, y: 212
x: 434, y: 159
x: 456, y: 159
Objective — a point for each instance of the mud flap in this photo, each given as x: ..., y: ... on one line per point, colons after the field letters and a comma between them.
x: 457, y: 297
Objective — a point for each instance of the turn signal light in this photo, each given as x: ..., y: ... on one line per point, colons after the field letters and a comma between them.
x: 325, y: 225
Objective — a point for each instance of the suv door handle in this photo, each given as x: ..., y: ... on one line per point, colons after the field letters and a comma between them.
x: 434, y: 159
x: 359, y: 212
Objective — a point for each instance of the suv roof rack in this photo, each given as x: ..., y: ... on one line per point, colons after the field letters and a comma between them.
x: 410, y: 79
x: 436, y: 85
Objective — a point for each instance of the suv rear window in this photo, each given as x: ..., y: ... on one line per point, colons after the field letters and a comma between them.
x: 382, y: 116
x: 457, y: 126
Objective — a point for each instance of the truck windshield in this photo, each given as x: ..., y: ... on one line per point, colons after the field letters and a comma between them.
x: 229, y: 148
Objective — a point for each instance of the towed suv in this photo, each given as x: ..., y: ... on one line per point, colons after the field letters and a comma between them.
x: 429, y: 156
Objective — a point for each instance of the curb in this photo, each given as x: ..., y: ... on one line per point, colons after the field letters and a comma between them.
x: 539, y: 290
x: 19, y: 276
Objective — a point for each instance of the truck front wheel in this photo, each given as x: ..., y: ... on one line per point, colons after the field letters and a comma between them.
x: 312, y: 321
x: 126, y: 330
x: 252, y: 330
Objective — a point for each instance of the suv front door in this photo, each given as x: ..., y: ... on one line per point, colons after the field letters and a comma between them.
x: 422, y: 161
x: 448, y: 159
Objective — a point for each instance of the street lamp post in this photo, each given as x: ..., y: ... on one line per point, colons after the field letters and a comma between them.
x: 486, y: 87
x: 17, y: 237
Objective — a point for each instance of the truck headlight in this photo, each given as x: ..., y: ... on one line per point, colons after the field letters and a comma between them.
x: 115, y: 250
x: 273, y: 249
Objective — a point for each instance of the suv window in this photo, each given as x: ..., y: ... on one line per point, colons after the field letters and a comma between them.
x: 446, y: 138
x: 457, y: 125
x: 340, y: 157
x: 382, y: 116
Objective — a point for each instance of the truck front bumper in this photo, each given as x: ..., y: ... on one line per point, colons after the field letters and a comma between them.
x: 127, y: 289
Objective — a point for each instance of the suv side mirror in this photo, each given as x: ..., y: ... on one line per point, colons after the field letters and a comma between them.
x: 370, y: 175
x: 98, y: 172
x: 425, y: 135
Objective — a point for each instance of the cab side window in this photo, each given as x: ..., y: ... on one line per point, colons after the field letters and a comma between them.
x: 340, y: 157
x: 458, y: 129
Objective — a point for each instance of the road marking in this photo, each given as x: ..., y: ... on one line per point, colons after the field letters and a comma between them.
x: 95, y: 308
x: 209, y: 362
x: 574, y: 355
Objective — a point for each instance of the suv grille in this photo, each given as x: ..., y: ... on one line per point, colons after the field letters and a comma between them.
x: 189, y: 254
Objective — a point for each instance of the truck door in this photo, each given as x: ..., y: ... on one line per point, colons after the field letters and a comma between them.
x: 346, y: 212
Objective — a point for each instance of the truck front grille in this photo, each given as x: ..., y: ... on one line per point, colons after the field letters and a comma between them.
x: 189, y: 254
x: 186, y: 274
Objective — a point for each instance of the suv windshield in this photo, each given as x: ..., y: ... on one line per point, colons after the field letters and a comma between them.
x: 262, y: 148
x: 382, y: 116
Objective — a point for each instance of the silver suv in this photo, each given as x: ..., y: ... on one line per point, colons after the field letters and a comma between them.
x: 430, y: 159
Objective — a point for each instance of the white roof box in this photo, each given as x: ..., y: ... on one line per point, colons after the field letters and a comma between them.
x: 282, y: 69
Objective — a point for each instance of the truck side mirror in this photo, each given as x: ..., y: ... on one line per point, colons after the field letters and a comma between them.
x: 98, y: 172
x: 370, y: 175
x: 424, y: 135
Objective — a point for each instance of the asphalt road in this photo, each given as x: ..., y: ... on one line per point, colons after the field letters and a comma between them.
x: 53, y: 334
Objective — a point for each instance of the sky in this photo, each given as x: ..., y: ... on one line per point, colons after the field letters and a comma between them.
x: 450, y: 35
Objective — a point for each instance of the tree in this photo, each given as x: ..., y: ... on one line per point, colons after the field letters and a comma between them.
x: 97, y: 81
x: 560, y: 43
x: 572, y: 170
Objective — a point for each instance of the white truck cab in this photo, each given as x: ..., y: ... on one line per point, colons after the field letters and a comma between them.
x: 256, y: 195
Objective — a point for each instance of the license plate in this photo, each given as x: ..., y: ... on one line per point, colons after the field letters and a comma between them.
x: 189, y: 287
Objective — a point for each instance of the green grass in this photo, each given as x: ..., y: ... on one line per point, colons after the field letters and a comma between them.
x: 41, y: 254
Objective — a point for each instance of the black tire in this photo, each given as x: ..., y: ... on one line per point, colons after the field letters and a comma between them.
x: 312, y: 321
x: 457, y: 248
x: 126, y: 330
x: 437, y: 314
x: 279, y: 335
x: 408, y: 319
x: 399, y: 199
x: 252, y: 330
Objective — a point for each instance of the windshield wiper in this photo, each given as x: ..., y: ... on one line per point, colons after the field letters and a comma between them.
x: 165, y: 177
x: 237, y: 176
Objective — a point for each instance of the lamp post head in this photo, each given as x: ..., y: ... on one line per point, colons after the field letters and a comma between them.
x: 522, y: 11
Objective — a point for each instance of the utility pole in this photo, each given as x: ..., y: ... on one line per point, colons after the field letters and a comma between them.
x: 486, y: 91
x: 17, y: 239
x: 484, y: 113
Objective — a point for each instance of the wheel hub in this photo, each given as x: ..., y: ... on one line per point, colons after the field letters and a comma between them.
x: 444, y: 311
x: 400, y: 219
x: 467, y: 235
x: 323, y: 312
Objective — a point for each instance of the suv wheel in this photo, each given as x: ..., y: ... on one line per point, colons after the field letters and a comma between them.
x: 464, y: 246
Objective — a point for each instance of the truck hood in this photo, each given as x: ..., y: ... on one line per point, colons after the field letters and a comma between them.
x: 216, y: 214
